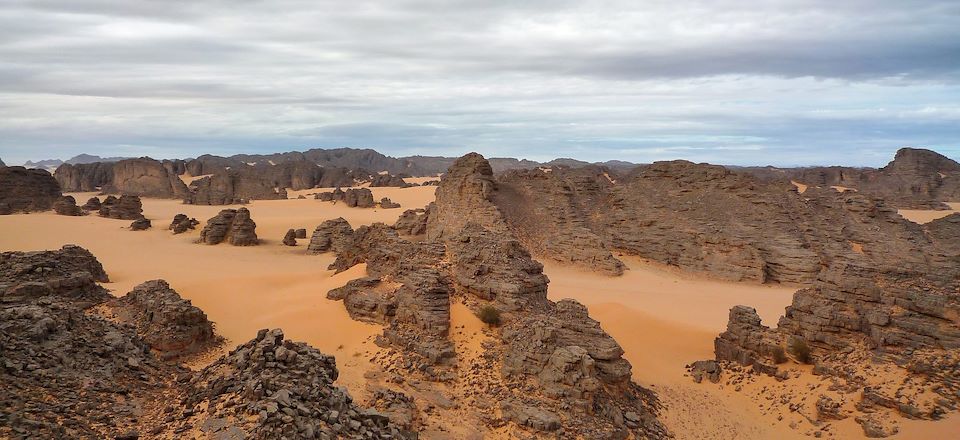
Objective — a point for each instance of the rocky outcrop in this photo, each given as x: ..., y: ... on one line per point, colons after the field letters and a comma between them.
x: 67, y: 205
x: 290, y: 239
x: 412, y: 222
x: 181, y: 223
x: 352, y: 197
x: 559, y: 369
x: 465, y: 194
x: 383, y: 180
x: 171, y: 325
x: 272, y: 387
x: 231, y: 225
x: 23, y: 190
x: 146, y: 177
x: 331, y: 235
x: 78, y: 363
x: 945, y: 233
x: 386, y: 203
x: 232, y: 187
x: 915, y: 179
x: 748, y: 342
x: 127, y: 207
x: 84, y: 177
x: 549, y: 212
x: 93, y: 204
x: 141, y: 224
x: 300, y: 233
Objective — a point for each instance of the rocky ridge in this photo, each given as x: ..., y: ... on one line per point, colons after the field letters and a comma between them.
x: 552, y: 367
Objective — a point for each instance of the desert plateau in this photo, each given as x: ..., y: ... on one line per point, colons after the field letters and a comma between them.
x: 469, y: 220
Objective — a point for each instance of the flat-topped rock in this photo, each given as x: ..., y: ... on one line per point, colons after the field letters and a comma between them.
x: 23, y: 190
x: 231, y: 225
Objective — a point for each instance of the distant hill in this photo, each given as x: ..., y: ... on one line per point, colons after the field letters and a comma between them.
x: 52, y: 164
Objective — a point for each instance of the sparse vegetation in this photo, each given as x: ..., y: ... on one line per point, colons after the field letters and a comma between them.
x: 800, y: 350
x: 489, y: 315
x: 779, y: 356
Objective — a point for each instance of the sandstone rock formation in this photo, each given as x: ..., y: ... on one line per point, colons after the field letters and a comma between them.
x: 914, y: 179
x: 146, y: 177
x: 140, y: 224
x: 381, y: 180
x: 559, y: 369
x: 23, y: 190
x: 352, y: 197
x: 181, y: 223
x: 127, y: 207
x: 67, y: 205
x: 290, y: 239
x: 386, y: 203
x: 300, y: 233
x: 93, y: 204
x: 171, y: 325
x: 412, y: 222
x: 231, y: 225
x: 84, y: 177
x: 232, y: 187
x: 331, y: 235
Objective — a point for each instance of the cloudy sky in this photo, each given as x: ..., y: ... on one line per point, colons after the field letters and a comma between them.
x: 727, y: 81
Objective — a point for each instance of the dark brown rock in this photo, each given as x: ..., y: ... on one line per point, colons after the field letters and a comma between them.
x: 290, y: 238
x: 93, y: 204
x: 146, y: 177
x: 171, y: 325
x: 127, y: 207
x: 386, y: 203
x: 231, y: 225
x: 23, y: 190
x: 331, y: 235
x: 412, y: 222
x: 140, y: 224
x: 181, y: 223
x: 383, y: 180
x: 67, y: 205
x: 84, y: 177
x: 301, y: 233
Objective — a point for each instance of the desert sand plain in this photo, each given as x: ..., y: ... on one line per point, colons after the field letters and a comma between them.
x: 663, y: 318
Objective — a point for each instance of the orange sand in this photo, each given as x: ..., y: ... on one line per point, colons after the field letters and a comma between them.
x: 928, y: 215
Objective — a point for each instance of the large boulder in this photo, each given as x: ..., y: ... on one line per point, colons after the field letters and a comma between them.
x: 84, y: 177
x: 127, y: 207
x: 331, y: 235
x: 67, y: 205
x: 23, y: 190
x: 231, y: 225
x: 146, y: 177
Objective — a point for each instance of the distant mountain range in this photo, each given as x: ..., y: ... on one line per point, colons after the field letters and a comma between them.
x: 52, y: 164
x: 350, y: 158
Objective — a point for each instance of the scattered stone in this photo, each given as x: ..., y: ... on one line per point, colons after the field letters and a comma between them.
x: 67, y: 205
x: 140, y: 224
x: 290, y: 239
x: 127, y: 207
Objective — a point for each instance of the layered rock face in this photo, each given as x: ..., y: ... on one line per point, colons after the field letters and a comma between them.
x: 232, y: 187
x: 67, y: 205
x: 127, y: 207
x: 70, y: 371
x: 412, y: 222
x: 23, y: 190
x: 703, y: 218
x: 231, y: 225
x: 331, y: 235
x: 171, y: 325
x: 552, y: 367
x: 93, y: 204
x: 147, y: 178
x: 386, y: 203
x: 84, y: 177
x: 141, y: 224
x: 549, y: 212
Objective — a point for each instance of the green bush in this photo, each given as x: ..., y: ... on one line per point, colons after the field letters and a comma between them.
x: 800, y: 350
x: 779, y: 356
x: 489, y: 315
